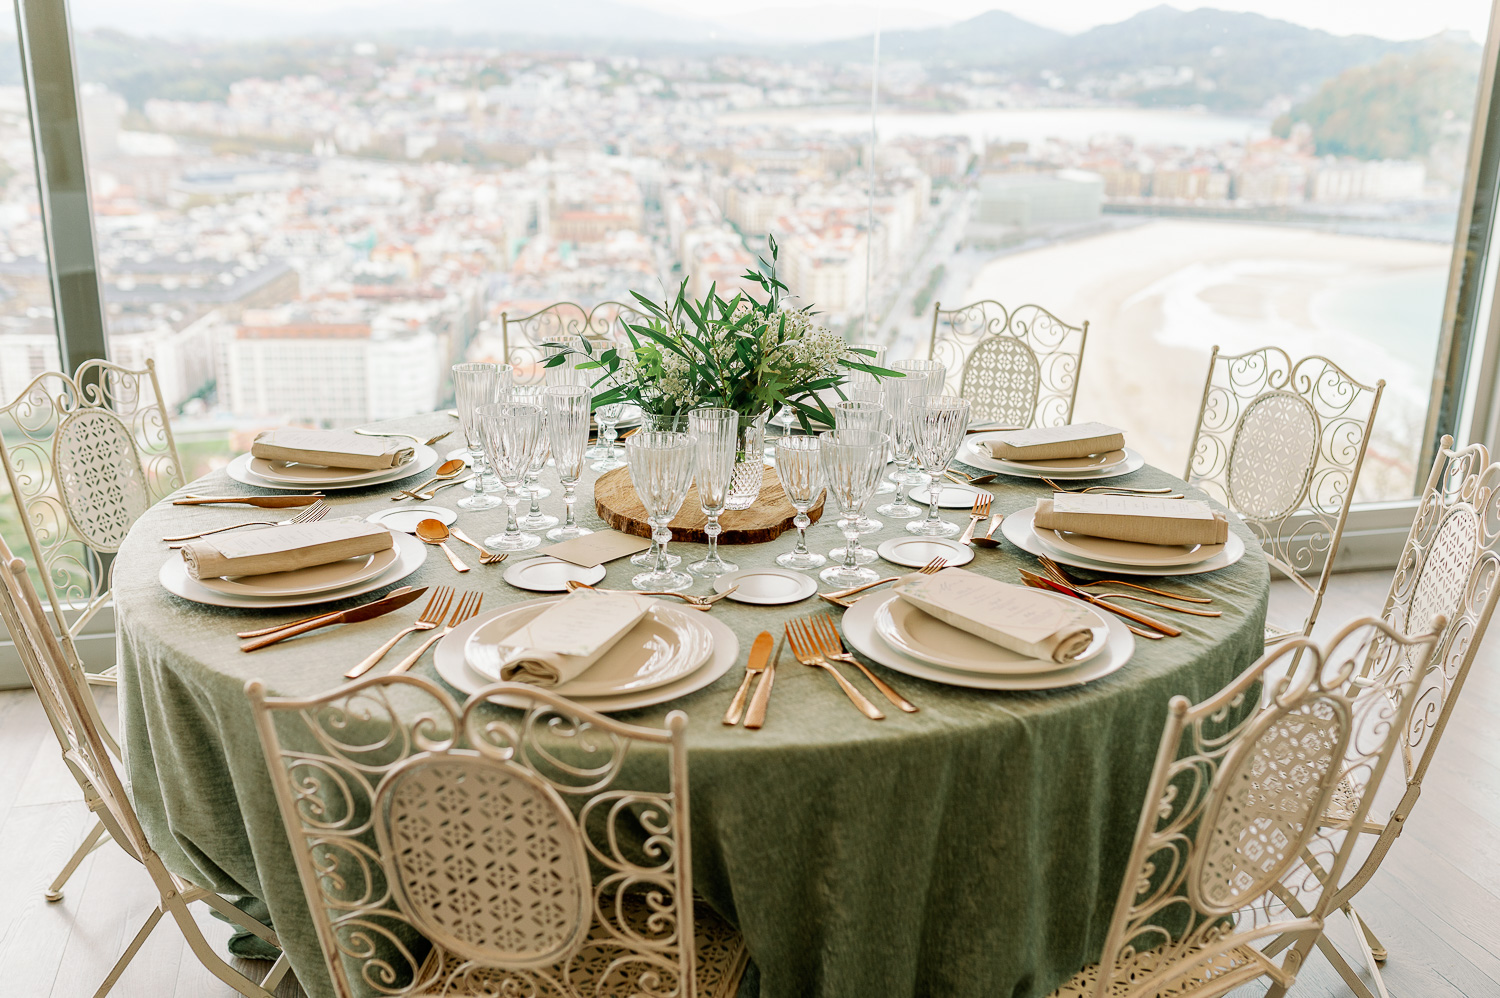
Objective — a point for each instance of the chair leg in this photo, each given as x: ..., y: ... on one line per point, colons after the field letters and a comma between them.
x: 1349, y: 974
x: 237, y: 916
x: 206, y: 955
x: 1377, y: 948
x: 276, y: 973
x: 90, y: 842
x: 1364, y: 947
x: 129, y: 954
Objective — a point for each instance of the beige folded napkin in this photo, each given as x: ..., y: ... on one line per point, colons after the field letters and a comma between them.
x: 1142, y: 519
x: 331, y: 448
x: 283, y: 549
x: 562, y: 641
x: 1049, y: 443
x: 1015, y: 617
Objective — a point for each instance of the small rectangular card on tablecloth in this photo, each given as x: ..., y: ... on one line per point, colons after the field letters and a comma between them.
x: 1142, y: 519
x: 1047, y: 443
x: 1014, y: 617
x: 597, y: 548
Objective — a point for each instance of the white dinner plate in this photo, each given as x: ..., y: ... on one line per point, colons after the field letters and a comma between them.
x: 859, y: 632
x: 767, y: 586
x: 1113, y: 552
x: 304, y: 475
x: 971, y: 453
x: 928, y: 639
x: 239, y: 470
x: 405, y: 518
x: 310, y: 580
x: 174, y: 578
x: 1020, y: 531
x: 952, y: 496
x: 549, y: 575
x: 661, y: 648
x: 1069, y: 465
x: 914, y: 552
x: 448, y: 659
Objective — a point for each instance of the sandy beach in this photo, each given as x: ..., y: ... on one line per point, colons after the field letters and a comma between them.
x: 1159, y: 296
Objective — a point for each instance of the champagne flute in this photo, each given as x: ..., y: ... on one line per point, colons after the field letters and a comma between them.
x: 906, y: 476
x: 861, y: 415
x: 661, y: 469
x: 852, y: 461
x: 676, y: 423
x: 938, y: 425
x: 715, y: 434
x: 871, y: 391
x: 800, y: 469
x: 535, y: 519
x: 568, y: 431
x: 475, y: 385
x: 512, y: 432
x: 857, y: 377
x: 898, y: 394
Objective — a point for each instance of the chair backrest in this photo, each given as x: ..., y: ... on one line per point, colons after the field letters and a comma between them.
x: 1230, y: 850
x: 443, y: 847
x: 561, y: 322
x: 84, y: 456
x: 1281, y: 443
x: 1017, y: 368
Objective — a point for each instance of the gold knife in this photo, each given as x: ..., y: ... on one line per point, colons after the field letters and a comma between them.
x: 760, y: 654
x: 756, y: 716
x: 1139, y: 618
x: 317, y: 616
x: 265, y: 502
x: 369, y: 611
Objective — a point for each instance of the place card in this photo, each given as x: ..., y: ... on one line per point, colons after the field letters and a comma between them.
x: 569, y: 636
x: 1019, y: 618
x: 595, y: 549
x: 283, y: 549
x: 1141, y: 519
x: 1044, y: 443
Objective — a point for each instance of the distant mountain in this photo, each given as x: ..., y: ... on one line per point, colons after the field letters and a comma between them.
x: 991, y: 38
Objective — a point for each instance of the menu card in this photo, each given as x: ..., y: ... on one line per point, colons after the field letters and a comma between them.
x: 1046, y: 443
x: 597, y: 548
x: 282, y: 549
x: 331, y: 448
x: 1142, y: 519
x: 1015, y: 617
x: 565, y: 639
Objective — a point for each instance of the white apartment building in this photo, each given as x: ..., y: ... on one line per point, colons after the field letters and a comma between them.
x: 28, y: 346
x: 1372, y: 180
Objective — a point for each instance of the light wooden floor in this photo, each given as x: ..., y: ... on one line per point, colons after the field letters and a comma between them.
x: 1436, y: 904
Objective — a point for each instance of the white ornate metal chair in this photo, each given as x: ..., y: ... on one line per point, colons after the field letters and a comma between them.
x: 1230, y: 856
x: 561, y: 322
x: 1016, y: 368
x: 1281, y: 443
x: 70, y: 709
x: 456, y: 850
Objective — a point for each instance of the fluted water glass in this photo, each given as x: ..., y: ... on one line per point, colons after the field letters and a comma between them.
x: 531, y: 491
x: 852, y: 461
x: 567, y: 408
x: 800, y: 469
x: 898, y: 394
x: 474, y: 385
x: 512, y: 432
x: 858, y: 414
x: 872, y: 391
x: 938, y: 426
x: 715, y: 434
x: 875, y: 357
x: 674, y: 423
x: 936, y: 374
x: 661, y: 469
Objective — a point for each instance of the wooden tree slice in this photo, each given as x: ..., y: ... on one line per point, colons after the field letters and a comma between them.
x: 617, y: 505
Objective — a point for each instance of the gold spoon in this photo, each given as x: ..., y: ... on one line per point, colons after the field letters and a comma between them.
x: 447, y: 469
x: 988, y: 540
x: 436, y: 532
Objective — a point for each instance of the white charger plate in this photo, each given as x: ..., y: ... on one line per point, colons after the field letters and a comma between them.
x: 550, y: 575
x: 306, y: 581
x: 1019, y: 529
x: 860, y: 633
x: 767, y: 586
x: 971, y: 453
x: 1113, y: 552
x: 914, y: 552
x: 448, y: 659
x: 303, y: 475
x: 928, y: 639
x: 406, y: 518
x: 239, y: 470
x: 662, y: 647
x: 952, y: 496
x: 174, y: 578
x: 1069, y: 465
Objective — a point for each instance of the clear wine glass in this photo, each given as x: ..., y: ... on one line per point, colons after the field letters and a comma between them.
x: 512, y: 432
x: 534, y: 493
x: 898, y: 394
x: 800, y: 469
x: 566, y: 373
x: 474, y: 385
x: 715, y: 434
x: 852, y: 461
x: 852, y: 414
x: 675, y: 423
x: 857, y: 377
x: 871, y: 391
x: 567, y: 409
x: 661, y: 469
x: 938, y: 425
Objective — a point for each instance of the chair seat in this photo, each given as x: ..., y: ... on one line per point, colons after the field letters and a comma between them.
x: 1209, y: 974
x: 720, y: 963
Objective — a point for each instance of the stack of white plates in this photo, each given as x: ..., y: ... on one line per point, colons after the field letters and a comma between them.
x: 303, y: 586
x: 896, y: 634
x: 669, y: 654
x: 976, y: 453
x: 290, y: 477
x: 1099, y: 554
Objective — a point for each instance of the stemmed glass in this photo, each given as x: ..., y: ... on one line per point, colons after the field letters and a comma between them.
x: 852, y: 461
x: 475, y: 385
x: 666, y: 424
x: 608, y: 417
x: 799, y: 466
x: 715, y: 434
x: 871, y: 391
x: 905, y: 476
x: 898, y: 394
x: 661, y: 469
x: 861, y: 415
x: 857, y: 377
x: 512, y: 432
x: 938, y: 425
x: 566, y: 373
x: 535, y: 519
x: 567, y: 408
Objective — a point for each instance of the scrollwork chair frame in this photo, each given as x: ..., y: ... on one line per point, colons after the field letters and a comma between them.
x: 372, y: 776
x: 1016, y: 368
x: 522, y: 337
x: 1230, y: 857
x: 1281, y: 443
x: 70, y: 711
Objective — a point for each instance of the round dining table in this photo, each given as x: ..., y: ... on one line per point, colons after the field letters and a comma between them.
x: 973, y: 848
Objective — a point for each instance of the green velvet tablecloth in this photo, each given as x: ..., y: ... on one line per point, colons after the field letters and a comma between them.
x: 972, y: 849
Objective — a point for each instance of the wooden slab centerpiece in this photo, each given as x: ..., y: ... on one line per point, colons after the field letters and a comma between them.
x: 617, y: 505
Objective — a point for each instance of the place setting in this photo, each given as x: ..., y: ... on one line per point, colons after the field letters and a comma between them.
x: 1071, y: 452
x: 292, y: 459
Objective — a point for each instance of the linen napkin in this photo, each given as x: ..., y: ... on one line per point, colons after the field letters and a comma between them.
x: 562, y: 641
x: 1142, y: 519
x: 1014, y: 617
x: 331, y: 448
x: 283, y: 549
x: 1047, y: 443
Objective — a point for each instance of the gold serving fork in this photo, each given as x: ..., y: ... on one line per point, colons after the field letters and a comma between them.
x: 316, y: 511
x: 981, y: 511
x: 1062, y: 575
x: 1055, y: 573
x: 424, y: 496
x: 826, y: 634
x: 486, y: 557
x: 431, y: 616
x: 701, y: 602
x: 466, y: 608
x: 1120, y: 490
x: 840, y: 597
x: 805, y: 650
x: 426, y: 443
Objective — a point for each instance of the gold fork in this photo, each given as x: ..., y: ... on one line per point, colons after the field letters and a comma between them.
x: 316, y: 511
x: 699, y: 601
x: 410, y: 436
x: 1062, y: 575
x: 841, y: 597
x: 486, y: 556
x: 432, y: 615
x: 826, y: 634
x: 1115, y: 490
x: 467, y: 607
x: 804, y: 649
x: 981, y: 511
x: 1056, y: 574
